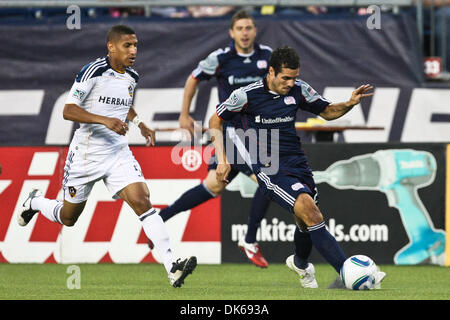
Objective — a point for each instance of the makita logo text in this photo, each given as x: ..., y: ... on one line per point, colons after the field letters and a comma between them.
x: 115, y: 101
x: 275, y: 230
x: 278, y: 230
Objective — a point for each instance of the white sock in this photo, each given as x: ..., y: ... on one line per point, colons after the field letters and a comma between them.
x: 156, y: 230
x: 49, y: 208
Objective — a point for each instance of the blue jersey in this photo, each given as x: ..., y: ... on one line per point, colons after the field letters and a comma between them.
x: 232, y: 69
x: 272, y: 118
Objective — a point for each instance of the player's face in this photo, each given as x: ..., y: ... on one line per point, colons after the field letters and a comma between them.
x: 243, y: 33
x: 124, y: 50
x: 283, y: 82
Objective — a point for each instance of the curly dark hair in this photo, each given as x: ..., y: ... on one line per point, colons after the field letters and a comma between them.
x: 284, y: 57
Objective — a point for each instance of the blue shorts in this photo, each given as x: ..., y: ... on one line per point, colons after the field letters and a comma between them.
x: 287, y: 184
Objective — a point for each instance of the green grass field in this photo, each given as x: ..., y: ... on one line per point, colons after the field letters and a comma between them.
x: 211, y: 282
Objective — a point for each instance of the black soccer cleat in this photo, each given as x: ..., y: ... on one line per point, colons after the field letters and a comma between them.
x: 26, y: 213
x: 180, y: 270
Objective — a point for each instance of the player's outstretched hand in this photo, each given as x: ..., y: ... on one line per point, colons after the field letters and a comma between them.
x: 148, y: 134
x: 116, y: 125
x: 222, y: 171
x: 188, y: 123
x: 361, y: 92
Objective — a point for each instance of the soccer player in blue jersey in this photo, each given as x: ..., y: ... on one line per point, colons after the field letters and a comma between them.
x: 101, y: 100
x: 267, y: 109
x: 240, y: 64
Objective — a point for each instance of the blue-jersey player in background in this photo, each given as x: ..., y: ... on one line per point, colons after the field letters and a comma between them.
x: 268, y: 108
x: 240, y: 64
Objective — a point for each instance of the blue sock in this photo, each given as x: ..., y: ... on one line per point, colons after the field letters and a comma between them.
x: 260, y: 204
x: 303, y: 246
x: 327, y: 245
x: 188, y: 200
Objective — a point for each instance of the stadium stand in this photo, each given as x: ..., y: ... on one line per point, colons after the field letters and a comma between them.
x: 432, y: 16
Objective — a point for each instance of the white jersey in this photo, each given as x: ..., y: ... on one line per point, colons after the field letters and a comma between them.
x: 101, y: 90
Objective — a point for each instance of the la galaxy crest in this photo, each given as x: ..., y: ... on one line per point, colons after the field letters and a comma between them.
x: 72, y: 191
x: 131, y: 90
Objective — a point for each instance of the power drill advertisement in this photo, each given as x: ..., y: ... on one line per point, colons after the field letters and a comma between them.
x: 386, y: 201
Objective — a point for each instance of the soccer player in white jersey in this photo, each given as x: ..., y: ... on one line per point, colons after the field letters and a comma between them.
x: 101, y: 101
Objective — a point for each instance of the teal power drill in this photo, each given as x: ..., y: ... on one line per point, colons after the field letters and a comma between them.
x: 399, y: 173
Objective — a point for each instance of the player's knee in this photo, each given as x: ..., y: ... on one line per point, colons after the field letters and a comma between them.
x: 314, y: 218
x: 69, y: 221
x: 141, y: 204
x: 306, y: 210
x: 69, y: 216
x: 214, y: 186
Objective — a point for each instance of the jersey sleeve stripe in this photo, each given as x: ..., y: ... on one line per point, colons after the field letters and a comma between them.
x: 196, y: 72
x: 253, y: 86
x: 93, y: 70
x: 220, y: 117
x: 83, y: 74
x: 87, y: 67
x: 133, y: 74
x: 220, y: 109
x: 261, y: 46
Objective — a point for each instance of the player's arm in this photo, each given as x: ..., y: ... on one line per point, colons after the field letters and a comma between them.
x: 80, y: 90
x: 146, y: 132
x: 186, y: 121
x: 204, y: 71
x: 337, y: 110
x: 75, y: 113
x: 225, y: 111
x: 215, y: 129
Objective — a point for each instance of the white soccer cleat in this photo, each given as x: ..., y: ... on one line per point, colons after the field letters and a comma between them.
x: 307, y: 279
x: 26, y: 213
x: 180, y: 270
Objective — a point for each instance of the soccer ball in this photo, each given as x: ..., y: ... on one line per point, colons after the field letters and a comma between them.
x: 358, y: 272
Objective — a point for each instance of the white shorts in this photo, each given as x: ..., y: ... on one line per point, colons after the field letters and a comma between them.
x: 117, y: 171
